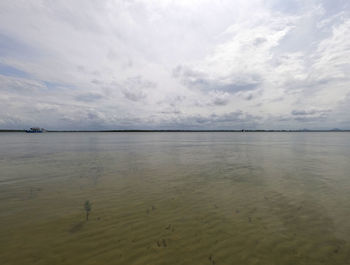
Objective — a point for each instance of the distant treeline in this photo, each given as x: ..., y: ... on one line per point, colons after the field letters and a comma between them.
x: 12, y: 130
x: 243, y: 130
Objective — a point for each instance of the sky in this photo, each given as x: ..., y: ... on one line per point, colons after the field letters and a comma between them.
x: 184, y: 64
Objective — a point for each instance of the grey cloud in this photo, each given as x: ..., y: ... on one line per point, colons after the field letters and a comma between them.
x: 171, y: 112
x: 249, y: 97
x: 84, y: 118
x: 259, y: 41
x: 219, y: 98
x: 308, y: 112
x: 21, y: 86
x: 220, y: 101
x: 135, y: 88
x: 12, y: 122
x: 88, y: 97
x: 231, y: 84
x: 310, y: 119
x: 134, y: 95
x: 311, y: 115
x: 237, y: 116
x: 233, y: 120
x: 96, y: 82
x: 93, y: 116
x: 302, y: 112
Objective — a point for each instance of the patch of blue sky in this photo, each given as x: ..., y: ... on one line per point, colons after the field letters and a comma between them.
x: 332, y: 7
x: 10, y: 47
x: 8, y: 70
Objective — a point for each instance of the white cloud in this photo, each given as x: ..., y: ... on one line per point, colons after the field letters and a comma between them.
x: 117, y: 64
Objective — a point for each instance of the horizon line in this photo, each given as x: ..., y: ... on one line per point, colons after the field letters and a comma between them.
x: 192, y: 130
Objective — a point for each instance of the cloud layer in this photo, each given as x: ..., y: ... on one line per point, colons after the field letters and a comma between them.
x: 137, y: 64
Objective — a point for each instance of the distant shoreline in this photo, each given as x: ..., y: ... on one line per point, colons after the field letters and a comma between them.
x: 240, y: 131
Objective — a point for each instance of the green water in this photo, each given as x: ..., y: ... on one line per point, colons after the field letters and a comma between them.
x: 175, y: 198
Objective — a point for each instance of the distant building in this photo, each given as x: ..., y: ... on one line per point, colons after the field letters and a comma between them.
x: 36, y: 130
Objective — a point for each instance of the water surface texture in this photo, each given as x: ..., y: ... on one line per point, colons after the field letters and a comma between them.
x: 175, y: 198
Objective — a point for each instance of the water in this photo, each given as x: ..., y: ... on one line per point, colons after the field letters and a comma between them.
x: 175, y: 198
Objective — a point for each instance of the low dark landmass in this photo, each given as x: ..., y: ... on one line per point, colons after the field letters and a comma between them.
x: 12, y: 130
x: 71, y: 131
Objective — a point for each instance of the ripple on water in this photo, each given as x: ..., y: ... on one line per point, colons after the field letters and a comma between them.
x: 172, y: 206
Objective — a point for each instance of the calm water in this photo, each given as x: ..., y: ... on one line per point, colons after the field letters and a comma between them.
x: 175, y: 198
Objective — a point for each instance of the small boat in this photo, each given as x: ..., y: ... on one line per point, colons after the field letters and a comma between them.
x: 35, y: 130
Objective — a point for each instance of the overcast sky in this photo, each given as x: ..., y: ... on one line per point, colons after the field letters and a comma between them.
x: 184, y: 64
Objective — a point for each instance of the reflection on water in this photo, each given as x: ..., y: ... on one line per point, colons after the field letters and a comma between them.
x: 175, y: 198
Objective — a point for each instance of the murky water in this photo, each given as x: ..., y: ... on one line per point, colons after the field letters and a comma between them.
x: 175, y: 198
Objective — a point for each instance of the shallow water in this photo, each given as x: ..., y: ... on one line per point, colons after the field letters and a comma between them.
x: 175, y: 198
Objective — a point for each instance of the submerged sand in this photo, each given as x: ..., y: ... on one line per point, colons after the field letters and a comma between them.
x: 199, y: 203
